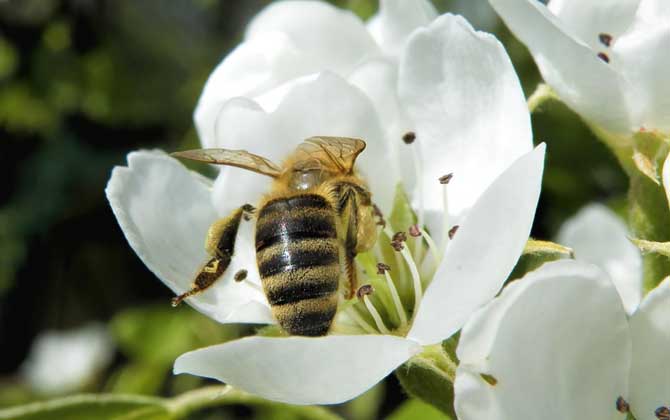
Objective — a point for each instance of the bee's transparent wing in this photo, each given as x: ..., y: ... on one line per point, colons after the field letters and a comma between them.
x: 341, y: 152
x: 238, y: 158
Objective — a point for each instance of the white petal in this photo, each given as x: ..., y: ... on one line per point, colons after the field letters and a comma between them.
x: 586, y: 19
x: 397, y: 19
x: 164, y: 211
x: 331, y: 38
x: 464, y: 97
x: 484, y: 251
x: 326, y: 106
x: 666, y: 178
x: 642, y: 54
x: 599, y: 237
x: 650, y: 370
x: 251, y: 69
x: 556, y: 341
x: 301, y: 370
x: 588, y: 85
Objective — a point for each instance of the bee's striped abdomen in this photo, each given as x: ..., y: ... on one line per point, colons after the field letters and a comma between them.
x: 298, y: 259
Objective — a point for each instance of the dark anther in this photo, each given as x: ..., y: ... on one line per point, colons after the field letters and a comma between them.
x: 603, y: 57
x: 414, y: 231
x: 383, y: 268
x: 444, y: 179
x: 399, y: 237
x: 364, y: 290
x: 622, y: 405
x: 378, y: 213
x: 605, y: 39
x: 248, y: 210
x: 240, y: 275
x: 453, y: 231
x: 662, y: 413
x: 409, y: 137
x: 397, y: 245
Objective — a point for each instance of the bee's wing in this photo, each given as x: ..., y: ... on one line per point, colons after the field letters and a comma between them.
x: 341, y: 152
x: 238, y: 158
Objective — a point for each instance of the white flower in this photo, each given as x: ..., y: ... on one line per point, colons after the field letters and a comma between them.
x: 599, y: 237
x: 60, y: 362
x: 456, y: 89
x: 605, y: 60
x: 558, y: 341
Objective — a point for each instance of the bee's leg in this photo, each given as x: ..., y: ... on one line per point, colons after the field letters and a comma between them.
x: 220, y: 244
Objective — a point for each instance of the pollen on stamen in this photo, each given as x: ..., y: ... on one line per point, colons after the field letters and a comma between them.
x: 622, y: 405
x: 452, y: 231
x: 444, y: 179
x: 364, y: 290
x: 383, y: 268
x: 662, y: 413
x: 397, y: 242
x: 605, y: 39
x: 414, y: 231
x: 604, y: 57
x: 409, y: 137
x: 241, y: 275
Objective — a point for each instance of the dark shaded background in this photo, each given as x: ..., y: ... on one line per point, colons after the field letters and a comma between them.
x: 82, y: 83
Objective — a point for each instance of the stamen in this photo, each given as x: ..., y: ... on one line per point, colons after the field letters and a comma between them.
x: 414, y: 231
x: 384, y: 269
x: 662, y: 413
x: 432, y: 246
x: 416, y: 279
x: 240, y: 275
x: 604, y: 57
x: 453, y: 231
x: 361, y: 322
x: 409, y: 137
x: 418, y: 170
x: 363, y: 293
x: 622, y: 405
x: 605, y: 39
x: 445, y: 212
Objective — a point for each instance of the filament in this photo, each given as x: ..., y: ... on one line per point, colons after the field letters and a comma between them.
x: 396, y: 299
x: 445, y: 219
x: 375, y: 315
x: 416, y: 278
x: 435, y: 252
x: 361, y: 322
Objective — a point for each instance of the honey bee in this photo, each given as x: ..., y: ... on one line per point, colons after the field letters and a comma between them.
x: 317, y: 216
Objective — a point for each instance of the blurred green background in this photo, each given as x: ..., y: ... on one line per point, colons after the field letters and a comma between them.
x: 84, y: 82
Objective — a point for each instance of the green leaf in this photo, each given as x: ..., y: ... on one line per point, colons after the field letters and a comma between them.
x: 426, y: 378
x: 416, y: 409
x: 366, y: 406
x: 157, y: 334
x: 87, y: 406
x: 139, y: 378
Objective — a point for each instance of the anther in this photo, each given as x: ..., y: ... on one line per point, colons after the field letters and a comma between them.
x: 364, y: 290
x: 383, y: 268
x: 453, y: 231
x: 444, y: 179
x: 662, y: 413
x: 605, y: 39
x: 414, y: 231
x: 622, y: 405
x: 604, y: 57
x: 409, y: 137
x: 399, y: 237
x: 248, y: 210
x: 380, y: 216
x: 240, y: 275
